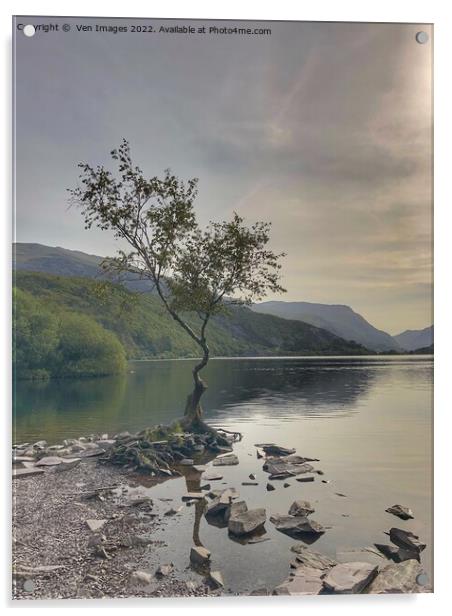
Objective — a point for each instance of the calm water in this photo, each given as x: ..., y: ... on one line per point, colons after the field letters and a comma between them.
x: 368, y: 420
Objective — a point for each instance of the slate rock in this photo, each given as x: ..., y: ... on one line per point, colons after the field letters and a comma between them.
x: 215, y: 579
x: 199, y: 555
x: 301, y: 508
x: 401, y: 512
x: 22, y: 473
x: 305, y: 581
x: 406, y: 540
x: 229, y: 459
x: 275, y: 450
x: 49, y: 461
x: 295, y: 525
x: 310, y: 558
x: 248, y: 522
x: 405, y: 577
x: 304, y: 478
x: 349, y: 578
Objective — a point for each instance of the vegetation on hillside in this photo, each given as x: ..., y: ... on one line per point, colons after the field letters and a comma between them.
x: 143, y: 328
x: 52, y: 341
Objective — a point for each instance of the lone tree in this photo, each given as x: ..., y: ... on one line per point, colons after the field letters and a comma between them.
x: 194, y: 270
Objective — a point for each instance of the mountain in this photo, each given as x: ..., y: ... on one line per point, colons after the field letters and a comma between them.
x: 338, y: 319
x: 413, y: 339
x: 146, y: 330
x: 64, y: 262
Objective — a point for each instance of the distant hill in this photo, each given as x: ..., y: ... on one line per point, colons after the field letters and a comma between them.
x: 64, y: 262
x: 413, y: 339
x: 145, y: 329
x: 338, y: 319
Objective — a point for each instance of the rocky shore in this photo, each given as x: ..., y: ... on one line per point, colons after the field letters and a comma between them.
x: 81, y: 529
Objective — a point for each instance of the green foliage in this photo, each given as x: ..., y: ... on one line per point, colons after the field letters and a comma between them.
x: 146, y: 330
x: 51, y: 341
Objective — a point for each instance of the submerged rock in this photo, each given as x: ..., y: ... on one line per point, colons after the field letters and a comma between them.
x: 405, y: 577
x: 401, y: 512
x: 349, y: 578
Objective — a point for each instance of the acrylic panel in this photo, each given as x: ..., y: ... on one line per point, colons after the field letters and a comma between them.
x: 223, y: 321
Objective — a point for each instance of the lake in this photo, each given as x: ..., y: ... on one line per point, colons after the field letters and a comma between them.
x: 368, y: 420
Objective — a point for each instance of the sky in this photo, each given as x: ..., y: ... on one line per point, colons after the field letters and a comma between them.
x: 323, y: 129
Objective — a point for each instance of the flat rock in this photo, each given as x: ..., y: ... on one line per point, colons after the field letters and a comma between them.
x: 95, y: 525
x: 229, y: 459
x: 301, y: 508
x: 295, y: 525
x: 186, y: 462
x: 278, y: 466
x: 406, y: 540
x: 305, y: 478
x: 248, y: 522
x: 250, y: 483
x: 401, y: 512
x: 49, y: 461
x: 67, y: 464
x: 396, y: 554
x: 21, y: 473
x: 23, y: 458
x: 91, y: 453
x: 305, y: 581
x: 349, y: 578
x: 199, y: 468
x: 235, y: 509
x: 216, y: 579
x: 403, y: 577
x: 199, y: 555
x: 310, y: 558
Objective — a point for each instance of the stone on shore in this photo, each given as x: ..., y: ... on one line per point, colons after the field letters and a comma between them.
x: 22, y: 473
x: 247, y: 522
x: 49, y: 461
x: 295, y: 525
x: 396, y: 554
x: 405, y: 577
x: 229, y: 459
x: 305, y: 581
x: 406, y: 540
x: 279, y: 467
x: 212, y: 477
x: 401, y: 512
x: 310, y: 558
x: 301, y: 508
x: 67, y: 464
x: 193, y: 496
x: 270, y: 487
x: 199, y: 555
x: 349, y: 578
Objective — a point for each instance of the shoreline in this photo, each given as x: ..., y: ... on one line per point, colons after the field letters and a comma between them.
x: 85, y: 528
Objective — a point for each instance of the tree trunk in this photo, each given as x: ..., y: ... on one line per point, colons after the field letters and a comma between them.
x: 193, y: 409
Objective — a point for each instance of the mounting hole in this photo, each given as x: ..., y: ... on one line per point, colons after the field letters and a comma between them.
x: 29, y: 30
x: 421, y: 37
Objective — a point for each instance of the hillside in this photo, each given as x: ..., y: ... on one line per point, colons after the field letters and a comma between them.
x: 146, y: 330
x: 338, y: 319
x: 413, y: 339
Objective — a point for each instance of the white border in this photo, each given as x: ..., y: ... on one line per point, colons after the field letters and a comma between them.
x: 429, y: 11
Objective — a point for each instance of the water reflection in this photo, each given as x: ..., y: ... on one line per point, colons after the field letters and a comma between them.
x: 154, y: 392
